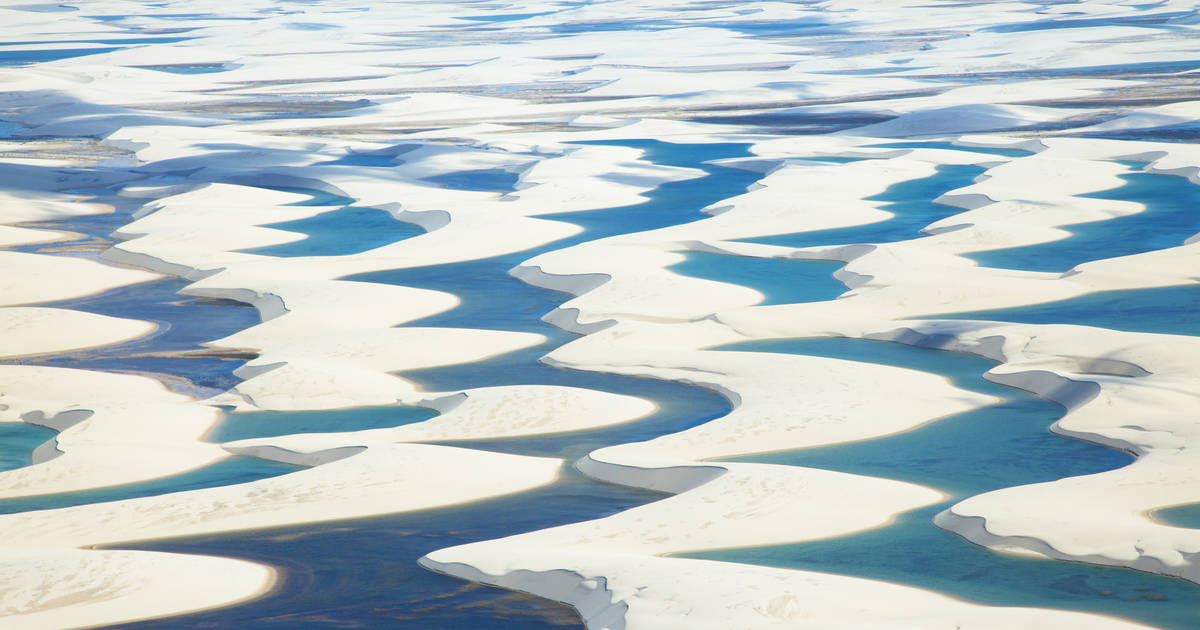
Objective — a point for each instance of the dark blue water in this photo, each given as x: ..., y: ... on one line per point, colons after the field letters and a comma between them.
x: 243, y: 425
x: 93, y: 234
x: 227, y: 472
x: 1172, y: 215
x: 1168, y: 310
x: 175, y: 350
x: 780, y: 280
x: 965, y: 454
x: 910, y: 201
x: 363, y: 573
x: 18, y: 441
x: 340, y: 232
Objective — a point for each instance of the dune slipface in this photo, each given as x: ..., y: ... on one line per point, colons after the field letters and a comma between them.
x: 606, y: 315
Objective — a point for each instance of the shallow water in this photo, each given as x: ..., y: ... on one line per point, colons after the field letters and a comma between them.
x: 241, y: 425
x: 780, y: 280
x: 1172, y: 215
x: 188, y: 69
x: 18, y: 441
x: 964, y: 454
x: 1180, y: 515
x: 340, y: 232
x: 910, y: 201
x: 227, y: 472
x: 487, y: 180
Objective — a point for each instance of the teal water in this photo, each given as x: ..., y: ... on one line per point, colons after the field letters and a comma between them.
x: 340, y: 232
x: 1172, y: 215
x: 199, y: 68
x: 914, y: 552
x: 1166, y: 310
x: 1179, y: 515
x: 780, y: 280
x: 965, y: 454
x: 910, y: 201
x: 18, y: 441
x: 227, y: 472
x: 243, y: 425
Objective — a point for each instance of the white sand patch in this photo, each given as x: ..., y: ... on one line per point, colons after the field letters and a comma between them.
x: 32, y: 278
x: 380, y: 479
x: 32, y: 330
x: 11, y: 236
x: 484, y: 413
x: 111, y: 429
x: 68, y: 588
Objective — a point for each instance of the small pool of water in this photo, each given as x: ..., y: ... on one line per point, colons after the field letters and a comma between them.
x: 243, y: 425
x: 484, y: 180
x: 1179, y: 516
x: 340, y: 232
x: 199, y: 68
x: 780, y: 280
x: 18, y: 441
